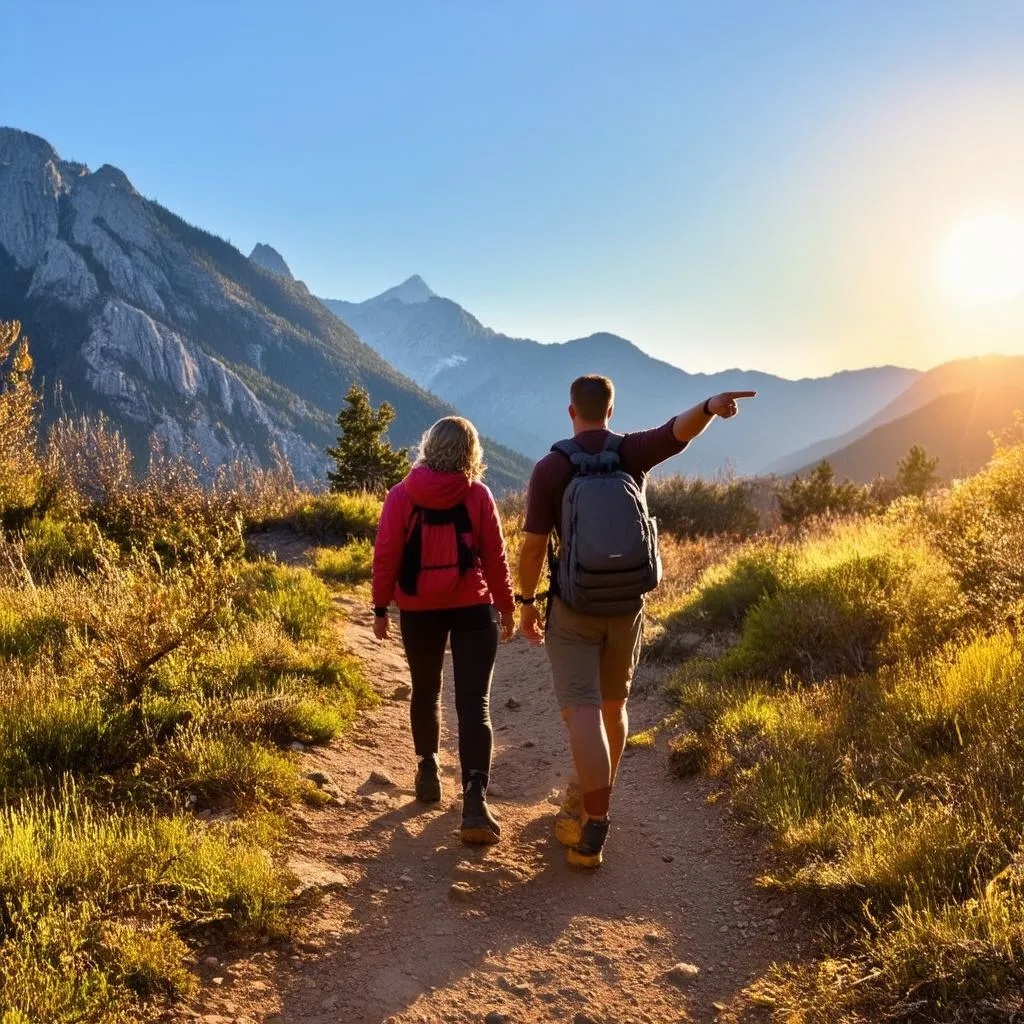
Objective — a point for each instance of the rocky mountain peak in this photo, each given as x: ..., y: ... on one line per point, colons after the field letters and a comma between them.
x: 267, y: 257
x: 112, y: 177
x: 412, y: 291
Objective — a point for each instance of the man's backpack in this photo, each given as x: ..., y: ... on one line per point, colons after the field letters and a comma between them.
x: 608, y: 557
x: 438, y: 552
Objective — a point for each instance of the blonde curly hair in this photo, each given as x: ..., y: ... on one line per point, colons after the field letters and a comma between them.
x: 452, y: 445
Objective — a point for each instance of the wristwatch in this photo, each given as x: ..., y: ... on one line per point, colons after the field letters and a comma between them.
x: 526, y: 600
x: 380, y: 612
x: 707, y: 407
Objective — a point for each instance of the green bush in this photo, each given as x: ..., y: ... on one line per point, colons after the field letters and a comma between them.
x: 819, y: 495
x: 294, y: 598
x: 692, y: 507
x: 980, y: 530
x: 352, y: 563
x: 337, y: 517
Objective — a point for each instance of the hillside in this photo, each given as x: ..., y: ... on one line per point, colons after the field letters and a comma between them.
x: 960, y: 375
x: 516, y: 389
x: 957, y: 428
x: 173, y: 332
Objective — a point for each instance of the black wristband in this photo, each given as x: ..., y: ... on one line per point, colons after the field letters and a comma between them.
x: 526, y: 600
x: 707, y: 409
x: 380, y: 612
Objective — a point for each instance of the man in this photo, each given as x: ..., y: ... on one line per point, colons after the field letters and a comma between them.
x: 593, y: 656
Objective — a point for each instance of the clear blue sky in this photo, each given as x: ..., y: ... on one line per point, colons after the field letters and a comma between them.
x: 761, y: 184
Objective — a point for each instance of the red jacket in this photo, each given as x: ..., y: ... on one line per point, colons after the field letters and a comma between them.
x: 489, y: 582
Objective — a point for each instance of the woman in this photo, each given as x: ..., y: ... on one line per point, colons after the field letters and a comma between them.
x: 440, y: 555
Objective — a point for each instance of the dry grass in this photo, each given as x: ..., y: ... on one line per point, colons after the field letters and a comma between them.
x: 869, y: 715
x: 147, y: 670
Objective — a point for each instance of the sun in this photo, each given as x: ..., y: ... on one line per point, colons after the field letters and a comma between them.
x: 981, y: 261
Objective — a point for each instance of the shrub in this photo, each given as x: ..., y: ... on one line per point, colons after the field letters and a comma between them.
x: 337, y: 517
x: 293, y: 598
x: 219, y: 770
x: 980, y: 530
x: 19, y: 472
x: 692, y: 507
x: 818, y: 494
x: 352, y: 563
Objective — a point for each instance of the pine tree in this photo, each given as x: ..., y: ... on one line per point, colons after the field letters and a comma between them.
x: 364, y: 459
x: 915, y: 473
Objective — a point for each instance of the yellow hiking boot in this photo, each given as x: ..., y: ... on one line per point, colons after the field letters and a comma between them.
x: 588, y: 852
x: 569, y: 820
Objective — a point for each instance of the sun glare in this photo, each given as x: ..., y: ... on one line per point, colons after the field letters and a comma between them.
x: 982, y: 260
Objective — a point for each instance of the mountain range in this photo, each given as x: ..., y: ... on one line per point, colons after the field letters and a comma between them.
x: 517, y: 390
x: 173, y: 332
x: 953, y: 410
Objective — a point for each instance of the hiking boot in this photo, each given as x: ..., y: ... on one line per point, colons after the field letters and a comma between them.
x: 569, y: 820
x: 428, y: 781
x: 478, y: 824
x: 587, y: 852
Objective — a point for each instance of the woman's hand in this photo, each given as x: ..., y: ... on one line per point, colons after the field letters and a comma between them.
x: 382, y: 627
x: 508, y: 626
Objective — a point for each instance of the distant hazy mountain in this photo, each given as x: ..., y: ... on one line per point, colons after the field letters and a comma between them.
x: 979, y: 374
x: 174, y: 332
x: 956, y: 427
x: 517, y: 390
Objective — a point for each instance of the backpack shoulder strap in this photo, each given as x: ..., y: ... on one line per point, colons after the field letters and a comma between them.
x: 613, y: 442
x: 568, y: 448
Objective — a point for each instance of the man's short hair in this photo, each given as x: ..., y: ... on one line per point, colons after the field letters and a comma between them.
x: 592, y: 397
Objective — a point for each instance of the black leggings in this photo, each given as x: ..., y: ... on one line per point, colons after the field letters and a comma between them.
x: 474, y: 636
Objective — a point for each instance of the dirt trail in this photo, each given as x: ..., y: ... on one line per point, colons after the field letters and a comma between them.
x: 415, y: 927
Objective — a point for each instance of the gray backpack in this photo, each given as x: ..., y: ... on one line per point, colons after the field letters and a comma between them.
x: 608, y: 557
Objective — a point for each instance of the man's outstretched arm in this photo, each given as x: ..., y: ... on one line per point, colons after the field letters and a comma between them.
x: 687, y: 425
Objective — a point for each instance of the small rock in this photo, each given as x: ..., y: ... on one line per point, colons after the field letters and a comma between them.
x: 379, y: 778
x: 512, y: 704
x: 494, y: 1017
x: 321, y: 779
x: 217, y: 981
x: 211, y: 961
x: 719, y: 1006
x: 297, y: 746
x: 652, y: 937
x: 528, y: 744
x: 584, y: 1018
x: 403, y: 691
x: 667, y: 858
x: 682, y: 974
x: 460, y: 891
x: 365, y: 741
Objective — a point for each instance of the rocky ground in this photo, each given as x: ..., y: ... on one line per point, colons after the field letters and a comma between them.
x: 405, y: 924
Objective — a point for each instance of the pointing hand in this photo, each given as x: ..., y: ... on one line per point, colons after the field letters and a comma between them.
x: 724, y: 405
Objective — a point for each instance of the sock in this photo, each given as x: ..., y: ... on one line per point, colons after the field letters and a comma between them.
x: 428, y: 759
x: 477, y: 776
x: 596, y: 802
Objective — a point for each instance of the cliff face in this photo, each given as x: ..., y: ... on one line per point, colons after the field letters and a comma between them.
x: 170, y: 330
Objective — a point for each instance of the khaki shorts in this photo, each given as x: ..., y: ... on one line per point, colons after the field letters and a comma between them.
x: 592, y: 656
